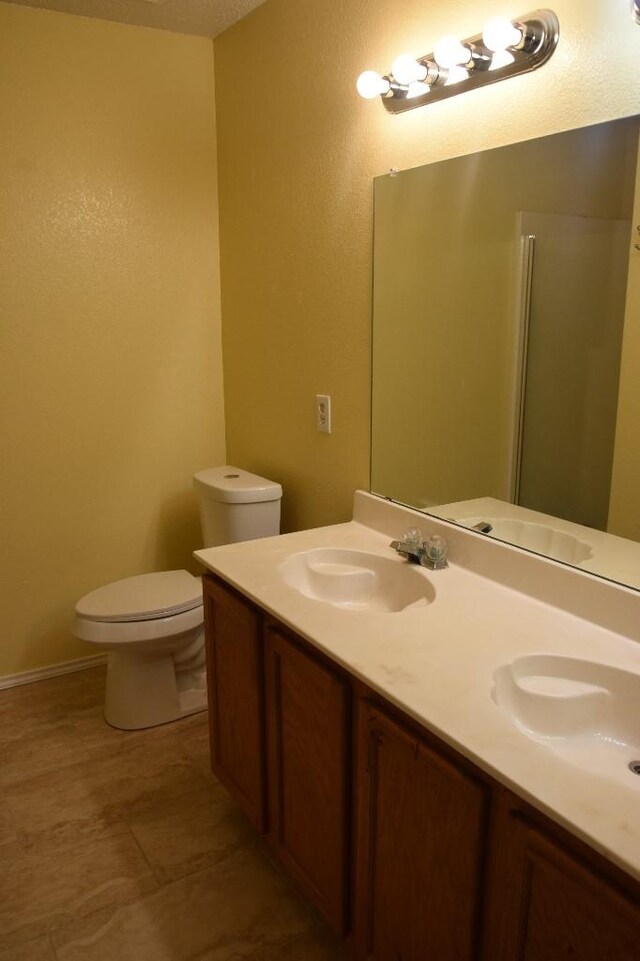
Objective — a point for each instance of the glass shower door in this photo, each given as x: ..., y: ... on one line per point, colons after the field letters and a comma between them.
x: 577, y: 274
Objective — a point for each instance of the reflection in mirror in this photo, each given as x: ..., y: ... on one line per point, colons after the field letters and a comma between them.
x: 506, y: 344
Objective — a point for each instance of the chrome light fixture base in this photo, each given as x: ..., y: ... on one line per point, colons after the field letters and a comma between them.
x: 540, y: 33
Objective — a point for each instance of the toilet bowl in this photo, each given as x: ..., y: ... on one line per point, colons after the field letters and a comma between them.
x: 152, y: 625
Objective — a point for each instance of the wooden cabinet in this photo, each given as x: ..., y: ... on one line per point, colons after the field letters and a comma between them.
x: 236, y: 697
x: 449, y: 865
x: 422, y: 833
x: 280, y: 728
x: 309, y: 772
x: 550, y: 901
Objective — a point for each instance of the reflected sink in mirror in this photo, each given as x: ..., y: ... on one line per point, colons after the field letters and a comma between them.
x: 358, y: 581
x: 534, y: 537
x: 583, y: 711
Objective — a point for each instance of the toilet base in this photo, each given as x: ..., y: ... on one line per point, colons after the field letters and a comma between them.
x: 145, y: 691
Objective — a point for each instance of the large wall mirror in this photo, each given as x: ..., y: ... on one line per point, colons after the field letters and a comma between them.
x: 506, y: 344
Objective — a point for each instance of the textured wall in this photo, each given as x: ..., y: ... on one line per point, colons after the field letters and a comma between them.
x: 298, y: 150
x: 110, y: 362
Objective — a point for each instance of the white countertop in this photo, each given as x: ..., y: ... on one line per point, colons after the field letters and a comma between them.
x: 437, y: 662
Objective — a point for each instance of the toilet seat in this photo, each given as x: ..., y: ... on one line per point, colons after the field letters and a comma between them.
x: 144, y: 597
x: 141, y: 610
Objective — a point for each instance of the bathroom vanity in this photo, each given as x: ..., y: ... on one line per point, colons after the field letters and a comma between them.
x: 369, y: 717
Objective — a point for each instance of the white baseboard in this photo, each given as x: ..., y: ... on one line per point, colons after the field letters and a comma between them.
x: 53, y: 670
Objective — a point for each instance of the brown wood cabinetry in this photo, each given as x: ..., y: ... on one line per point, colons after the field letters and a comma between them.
x: 279, y: 720
x: 309, y: 772
x: 553, y: 899
x: 422, y: 833
x: 236, y: 696
x: 413, y: 850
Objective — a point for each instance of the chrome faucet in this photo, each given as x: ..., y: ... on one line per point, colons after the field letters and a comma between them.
x: 431, y: 553
x: 484, y: 527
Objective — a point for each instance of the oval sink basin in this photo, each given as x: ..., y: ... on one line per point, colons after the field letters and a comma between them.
x: 584, y: 711
x: 357, y: 580
x: 535, y: 537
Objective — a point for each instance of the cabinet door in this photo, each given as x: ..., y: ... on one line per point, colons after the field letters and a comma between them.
x: 309, y: 778
x: 422, y: 826
x: 235, y: 680
x: 547, y: 905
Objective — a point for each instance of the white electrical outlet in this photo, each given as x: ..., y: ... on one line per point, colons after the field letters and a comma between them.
x: 323, y: 413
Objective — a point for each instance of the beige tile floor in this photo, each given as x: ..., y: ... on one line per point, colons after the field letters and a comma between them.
x: 122, y: 846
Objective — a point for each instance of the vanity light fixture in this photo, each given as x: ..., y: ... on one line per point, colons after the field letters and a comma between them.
x: 504, y: 49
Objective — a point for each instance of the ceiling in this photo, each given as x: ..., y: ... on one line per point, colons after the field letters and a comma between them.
x: 205, y: 18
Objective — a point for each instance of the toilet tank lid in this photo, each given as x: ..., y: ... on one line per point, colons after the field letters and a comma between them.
x: 143, y: 597
x: 232, y: 485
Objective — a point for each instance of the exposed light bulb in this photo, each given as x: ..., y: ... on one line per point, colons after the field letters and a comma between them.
x: 406, y: 69
x: 501, y: 58
x: 455, y: 74
x: 370, y: 84
x: 417, y: 89
x: 449, y: 52
x: 500, y: 33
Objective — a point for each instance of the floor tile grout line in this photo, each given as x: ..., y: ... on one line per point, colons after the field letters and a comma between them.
x: 157, y: 872
x: 138, y: 845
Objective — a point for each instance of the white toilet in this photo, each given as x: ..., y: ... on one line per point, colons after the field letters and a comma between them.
x: 153, y: 624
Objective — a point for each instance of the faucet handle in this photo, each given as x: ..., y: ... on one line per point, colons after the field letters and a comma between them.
x: 435, y: 552
x: 412, y: 538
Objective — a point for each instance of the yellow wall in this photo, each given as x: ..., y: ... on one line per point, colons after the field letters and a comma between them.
x: 298, y: 150
x: 110, y: 363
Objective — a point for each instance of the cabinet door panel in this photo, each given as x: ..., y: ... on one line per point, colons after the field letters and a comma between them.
x: 236, y: 699
x: 309, y: 758
x: 421, y: 845
x: 560, y: 908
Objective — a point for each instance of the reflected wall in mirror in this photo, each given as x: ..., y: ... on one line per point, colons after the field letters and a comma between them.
x: 506, y: 344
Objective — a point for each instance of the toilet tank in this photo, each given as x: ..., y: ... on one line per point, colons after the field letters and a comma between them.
x: 236, y: 505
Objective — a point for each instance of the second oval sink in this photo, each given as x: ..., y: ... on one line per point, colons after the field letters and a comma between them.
x: 357, y: 580
x: 583, y: 711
